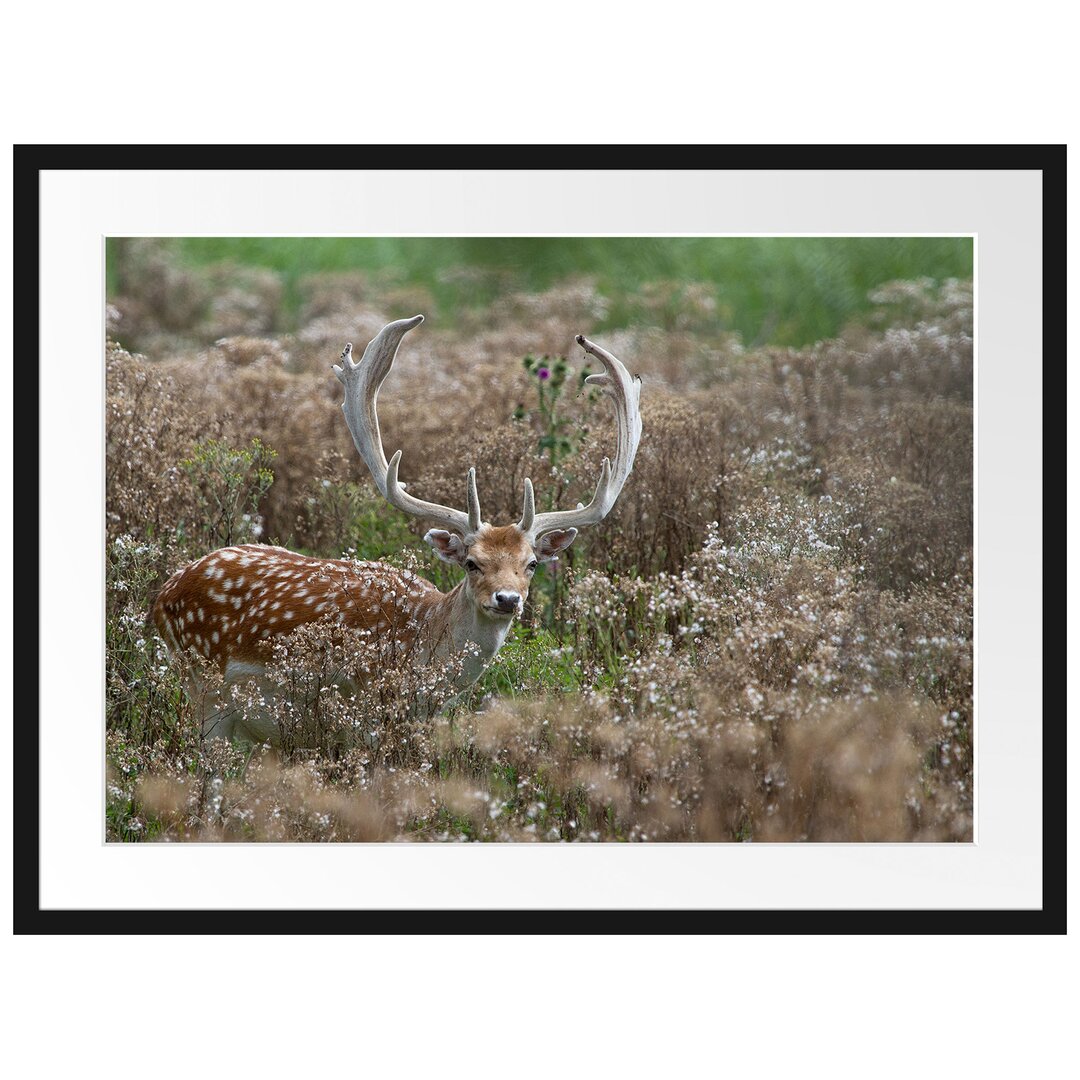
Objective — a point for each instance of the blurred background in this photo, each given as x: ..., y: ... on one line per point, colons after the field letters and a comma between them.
x: 775, y: 290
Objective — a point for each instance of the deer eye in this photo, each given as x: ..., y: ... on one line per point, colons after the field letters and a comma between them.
x: 471, y: 566
x: 531, y: 567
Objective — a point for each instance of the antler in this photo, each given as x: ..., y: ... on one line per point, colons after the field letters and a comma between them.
x: 624, y: 391
x: 362, y: 382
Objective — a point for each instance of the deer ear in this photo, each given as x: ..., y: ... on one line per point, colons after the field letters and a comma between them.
x: 448, y: 546
x: 550, y: 544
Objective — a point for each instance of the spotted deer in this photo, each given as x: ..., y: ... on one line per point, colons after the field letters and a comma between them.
x: 230, y: 605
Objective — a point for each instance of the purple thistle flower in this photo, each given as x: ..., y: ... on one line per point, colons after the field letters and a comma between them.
x: 543, y: 373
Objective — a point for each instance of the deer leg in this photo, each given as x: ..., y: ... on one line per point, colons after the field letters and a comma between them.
x: 253, y: 723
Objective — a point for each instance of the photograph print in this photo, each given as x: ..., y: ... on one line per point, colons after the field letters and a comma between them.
x: 539, y: 539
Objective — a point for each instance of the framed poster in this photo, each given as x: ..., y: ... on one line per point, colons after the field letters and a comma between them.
x: 781, y: 664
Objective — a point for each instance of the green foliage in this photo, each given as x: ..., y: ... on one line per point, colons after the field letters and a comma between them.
x: 350, y: 519
x: 143, y: 695
x: 559, y: 437
x: 533, y: 661
x: 230, y: 484
x: 782, y: 290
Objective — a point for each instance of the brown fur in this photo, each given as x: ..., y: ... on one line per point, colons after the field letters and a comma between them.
x: 503, y: 554
x: 229, y: 603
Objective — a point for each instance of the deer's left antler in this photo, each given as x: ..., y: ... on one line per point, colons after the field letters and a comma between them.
x: 624, y: 390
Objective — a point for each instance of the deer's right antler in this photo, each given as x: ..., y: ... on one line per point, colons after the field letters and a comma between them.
x: 362, y: 382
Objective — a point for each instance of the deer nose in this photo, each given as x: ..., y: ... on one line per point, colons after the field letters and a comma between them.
x: 506, y: 601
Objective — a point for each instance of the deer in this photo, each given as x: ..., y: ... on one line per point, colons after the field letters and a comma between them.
x: 231, y: 605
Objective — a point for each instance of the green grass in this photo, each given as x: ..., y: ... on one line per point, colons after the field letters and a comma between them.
x: 782, y: 290
x: 533, y: 658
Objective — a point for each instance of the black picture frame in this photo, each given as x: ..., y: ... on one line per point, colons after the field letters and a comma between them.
x: 31, y: 160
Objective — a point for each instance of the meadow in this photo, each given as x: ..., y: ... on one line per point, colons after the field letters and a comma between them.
x: 768, y: 639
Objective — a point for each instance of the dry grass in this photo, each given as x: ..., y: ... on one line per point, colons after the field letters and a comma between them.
x: 770, y: 638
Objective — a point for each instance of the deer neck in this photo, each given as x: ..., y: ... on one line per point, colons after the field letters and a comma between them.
x: 465, y: 624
